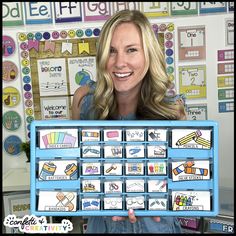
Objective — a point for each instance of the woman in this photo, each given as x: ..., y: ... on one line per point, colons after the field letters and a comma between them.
x: 131, y: 84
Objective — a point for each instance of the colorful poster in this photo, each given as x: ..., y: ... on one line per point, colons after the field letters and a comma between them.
x: 212, y: 7
x: 192, y: 81
x: 54, y: 108
x: 11, y: 120
x: 224, y: 94
x: 12, y: 14
x: 9, y: 71
x: 165, y: 35
x: 94, y: 11
x: 67, y: 12
x: 18, y: 204
x: 8, y: 46
x: 12, y: 145
x: 184, y: 8
x: 225, y: 55
x: 226, y: 106
x: 10, y: 96
x: 155, y: 9
x: 225, y: 68
x: 38, y: 12
x: 196, y: 111
x: 119, y: 6
x: 229, y: 32
x: 52, y: 77
x: 81, y: 71
x: 192, y: 43
x: 225, y: 81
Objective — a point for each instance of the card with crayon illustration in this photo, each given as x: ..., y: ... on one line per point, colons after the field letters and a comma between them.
x: 191, y: 200
x: 57, y: 201
x: 190, y: 170
x: 191, y: 138
x: 58, y: 170
x: 58, y: 138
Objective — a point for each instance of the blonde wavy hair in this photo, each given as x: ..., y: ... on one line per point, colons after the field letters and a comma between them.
x: 151, y: 104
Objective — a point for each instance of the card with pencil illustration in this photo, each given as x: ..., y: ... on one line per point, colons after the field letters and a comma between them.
x: 191, y: 138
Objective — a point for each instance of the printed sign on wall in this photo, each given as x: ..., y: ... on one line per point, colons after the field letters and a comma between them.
x: 38, y: 12
x: 192, y: 43
x: 55, y: 108
x: 96, y: 11
x: 67, y: 12
x: 10, y: 71
x: 229, y: 31
x: 212, y: 7
x: 11, y: 120
x: 184, y: 8
x: 154, y: 9
x: 10, y: 96
x: 196, y: 111
x: 192, y: 81
x: 52, y: 77
x: 8, y: 46
x: 12, y: 14
x: 119, y: 6
x: 81, y: 71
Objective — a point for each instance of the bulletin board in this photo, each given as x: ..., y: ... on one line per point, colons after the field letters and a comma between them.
x: 53, y: 65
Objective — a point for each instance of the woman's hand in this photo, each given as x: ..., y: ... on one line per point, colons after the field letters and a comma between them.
x: 132, y: 217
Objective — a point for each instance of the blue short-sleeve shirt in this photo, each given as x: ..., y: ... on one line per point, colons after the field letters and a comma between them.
x: 105, y: 224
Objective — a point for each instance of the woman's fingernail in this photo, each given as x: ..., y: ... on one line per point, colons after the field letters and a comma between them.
x: 131, y: 211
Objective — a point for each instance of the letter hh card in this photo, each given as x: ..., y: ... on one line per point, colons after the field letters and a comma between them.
x: 191, y: 138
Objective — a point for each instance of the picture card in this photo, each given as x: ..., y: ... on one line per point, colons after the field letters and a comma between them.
x: 58, y: 170
x: 157, y: 185
x: 91, y: 185
x: 111, y: 203
x: 191, y: 200
x: 112, y: 135
x: 157, y: 204
x: 190, y: 170
x: 90, y: 204
x: 157, y: 134
x: 134, y: 151
x: 191, y: 138
x: 57, y: 201
x: 156, y: 151
x: 58, y: 138
x: 113, y: 151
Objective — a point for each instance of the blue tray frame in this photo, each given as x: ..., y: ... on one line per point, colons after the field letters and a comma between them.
x: 38, y: 153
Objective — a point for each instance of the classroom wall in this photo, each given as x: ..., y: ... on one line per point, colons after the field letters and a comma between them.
x: 215, y: 40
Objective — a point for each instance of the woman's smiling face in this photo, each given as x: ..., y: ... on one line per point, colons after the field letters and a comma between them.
x: 126, y: 63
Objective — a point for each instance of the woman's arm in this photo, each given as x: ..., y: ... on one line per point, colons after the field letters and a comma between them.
x: 77, y: 98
